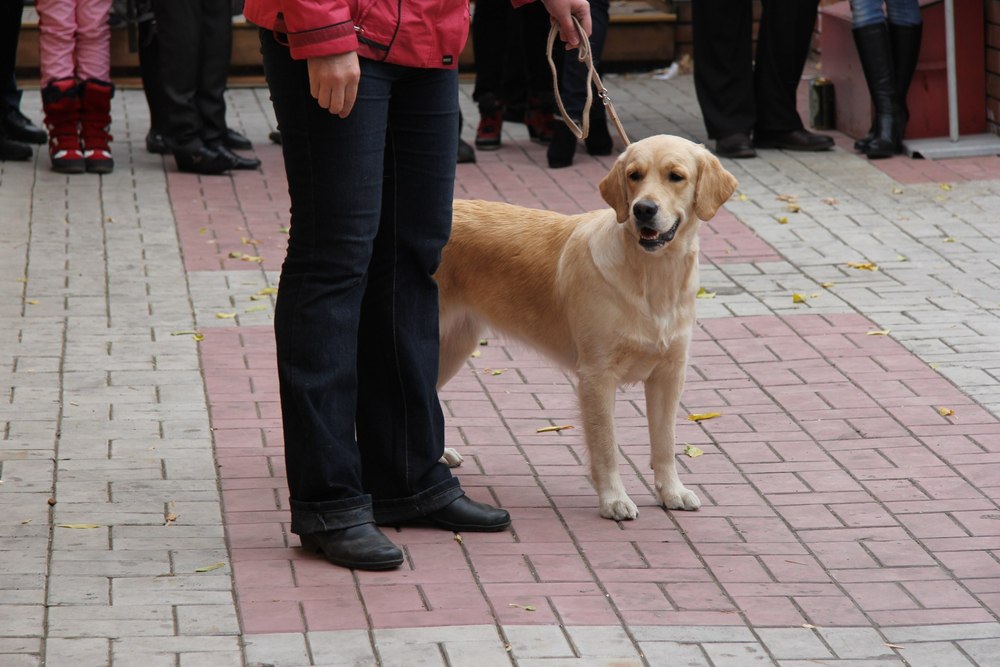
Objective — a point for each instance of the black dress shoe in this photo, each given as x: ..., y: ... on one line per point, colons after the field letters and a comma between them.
x: 465, y: 514
x: 796, y: 140
x: 237, y: 161
x: 18, y: 127
x: 14, y: 150
x: 204, y: 161
x: 735, y: 146
x: 155, y: 143
x: 466, y: 153
x: 235, y: 141
x: 361, y: 547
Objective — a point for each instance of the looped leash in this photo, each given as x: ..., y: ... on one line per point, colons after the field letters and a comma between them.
x: 584, y: 56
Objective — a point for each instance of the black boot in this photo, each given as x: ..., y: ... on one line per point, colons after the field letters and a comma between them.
x: 905, y: 54
x: 875, y: 52
x: 562, y: 147
x: 598, y: 141
x: 905, y: 41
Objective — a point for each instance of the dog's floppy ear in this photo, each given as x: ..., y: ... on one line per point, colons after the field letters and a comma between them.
x: 715, y: 186
x: 613, y: 189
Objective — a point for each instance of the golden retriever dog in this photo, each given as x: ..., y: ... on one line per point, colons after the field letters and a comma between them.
x: 609, y: 294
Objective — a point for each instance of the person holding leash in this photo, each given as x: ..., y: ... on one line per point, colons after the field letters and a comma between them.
x: 367, y: 106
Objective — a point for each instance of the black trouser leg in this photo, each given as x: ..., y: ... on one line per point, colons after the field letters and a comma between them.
x: 149, y: 69
x: 217, y: 47
x: 10, y: 29
x: 783, y: 40
x: 179, y: 25
x: 723, y: 79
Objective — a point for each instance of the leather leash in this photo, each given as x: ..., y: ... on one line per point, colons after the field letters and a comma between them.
x: 584, y: 56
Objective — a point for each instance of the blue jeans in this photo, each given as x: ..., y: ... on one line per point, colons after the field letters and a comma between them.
x: 898, y: 12
x: 356, y: 322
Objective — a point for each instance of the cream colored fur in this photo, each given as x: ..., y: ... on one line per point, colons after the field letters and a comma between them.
x: 589, y: 292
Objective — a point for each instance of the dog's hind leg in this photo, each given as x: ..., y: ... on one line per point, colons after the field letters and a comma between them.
x: 663, y: 392
x: 597, y: 405
x: 459, y: 337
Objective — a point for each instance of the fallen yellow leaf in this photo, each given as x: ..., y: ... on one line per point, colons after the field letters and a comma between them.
x: 946, y: 412
x: 526, y: 607
x: 705, y: 294
x: 830, y: 201
x: 782, y: 220
x: 697, y: 417
x: 32, y: 302
x: 902, y: 258
x: 827, y: 285
x: 788, y: 198
x: 692, y: 451
x: 878, y: 332
x: 209, y: 568
x: 495, y: 371
x: 863, y: 266
x: 798, y: 298
x: 742, y: 197
x: 225, y: 316
x: 79, y: 526
x: 949, y: 239
x: 793, y: 208
x: 476, y: 354
x: 458, y: 538
x: 197, y: 335
x: 554, y: 429
x: 268, y: 290
x: 897, y: 191
x: 945, y: 186
x: 255, y: 309
x: 483, y: 342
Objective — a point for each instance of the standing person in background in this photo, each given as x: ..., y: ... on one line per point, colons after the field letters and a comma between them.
x: 573, y: 84
x: 16, y: 130
x: 509, y: 43
x: 194, y: 40
x: 367, y: 107
x: 743, y: 94
x: 74, y: 43
x: 888, y: 44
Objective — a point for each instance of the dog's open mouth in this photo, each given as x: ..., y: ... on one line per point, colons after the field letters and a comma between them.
x: 650, y: 239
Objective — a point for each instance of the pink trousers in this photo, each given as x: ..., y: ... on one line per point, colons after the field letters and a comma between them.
x: 74, y: 39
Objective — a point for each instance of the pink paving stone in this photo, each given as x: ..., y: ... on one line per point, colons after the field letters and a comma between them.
x: 271, y: 617
x: 835, y: 611
x: 843, y: 555
x: 698, y: 596
x: 584, y: 610
x: 338, y: 613
x: 268, y: 573
x: 880, y: 596
x: 940, y: 594
x: 638, y: 596
x: 931, y: 616
x: 770, y: 611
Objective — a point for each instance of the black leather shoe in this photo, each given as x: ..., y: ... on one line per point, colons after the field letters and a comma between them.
x: 361, y: 547
x: 465, y: 514
x: 204, y: 161
x: 18, y: 127
x: 14, y: 150
x: 156, y: 144
x: 237, y: 161
x: 466, y: 153
x: 235, y: 141
x: 735, y: 146
x: 796, y: 140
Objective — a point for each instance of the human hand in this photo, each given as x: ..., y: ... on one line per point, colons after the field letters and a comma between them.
x: 562, y: 12
x: 333, y: 81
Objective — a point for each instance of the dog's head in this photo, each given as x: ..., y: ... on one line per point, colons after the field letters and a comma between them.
x: 660, y: 182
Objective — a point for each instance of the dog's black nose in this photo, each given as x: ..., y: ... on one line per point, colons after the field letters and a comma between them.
x: 644, y: 210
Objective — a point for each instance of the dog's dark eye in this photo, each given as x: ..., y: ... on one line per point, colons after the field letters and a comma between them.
x: 635, y: 176
x: 675, y: 177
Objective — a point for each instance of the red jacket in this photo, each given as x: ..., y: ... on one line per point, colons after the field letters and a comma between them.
x: 414, y: 33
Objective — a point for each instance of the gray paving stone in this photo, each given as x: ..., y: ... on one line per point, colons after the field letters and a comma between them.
x: 793, y: 644
x: 855, y: 643
x: 78, y: 651
x: 290, y: 649
x: 539, y: 641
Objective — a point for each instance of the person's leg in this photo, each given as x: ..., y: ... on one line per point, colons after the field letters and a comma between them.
x: 152, y: 85
x: 573, y: 85
x: 10, y: 28
x: 93, y: 40
x: 216, y: 50
x: 400, y: 426
x: 179, y: 26
x: 56, y: 39
x: 93, y: 57
x: 783, y: 42
x: 489, y: 46
x: 61, y: 89
x: 905, y: 33
x: 723, y: 76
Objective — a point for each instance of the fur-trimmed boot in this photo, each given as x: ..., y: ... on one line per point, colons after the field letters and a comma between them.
x: 95, y: 119
x: 61, y: 104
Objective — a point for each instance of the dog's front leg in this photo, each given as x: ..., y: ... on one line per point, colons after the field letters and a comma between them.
x: 663, y: 393
x: 597, y: 405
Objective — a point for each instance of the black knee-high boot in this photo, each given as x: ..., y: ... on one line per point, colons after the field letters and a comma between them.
x: 905, y: 53
x: 875, y: 52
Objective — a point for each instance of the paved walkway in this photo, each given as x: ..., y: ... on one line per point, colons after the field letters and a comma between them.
x: 846, y: 519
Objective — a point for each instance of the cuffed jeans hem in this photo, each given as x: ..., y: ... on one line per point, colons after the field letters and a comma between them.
x: 333, y: 515
x: 397, y: 510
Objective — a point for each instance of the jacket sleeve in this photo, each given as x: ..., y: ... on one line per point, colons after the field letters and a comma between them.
x: 317, y: 27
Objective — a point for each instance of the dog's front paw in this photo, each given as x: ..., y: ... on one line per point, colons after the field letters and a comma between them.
x: 679, y: 498
x: 619, y: 509
x: 451, y: 457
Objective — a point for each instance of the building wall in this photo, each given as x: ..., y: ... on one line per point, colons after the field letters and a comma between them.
x: 991, y: 12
